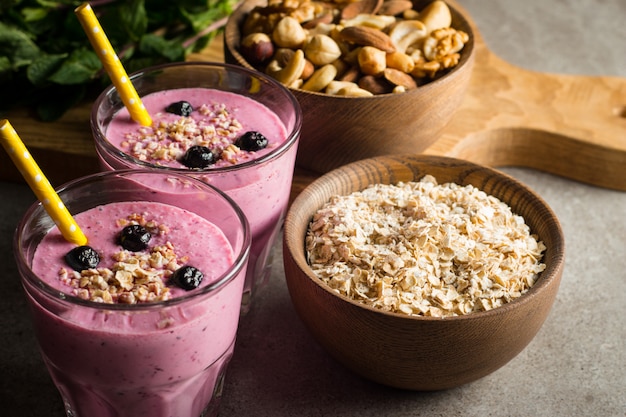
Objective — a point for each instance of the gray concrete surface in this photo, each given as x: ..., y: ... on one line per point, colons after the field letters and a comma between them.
x: 576, y: 366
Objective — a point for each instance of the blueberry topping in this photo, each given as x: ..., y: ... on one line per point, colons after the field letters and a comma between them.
x: 251, y: 141
x: 82, y: 257
x: 198, y: 157
x: 187, y: 277
x: 134, y: 238
x: 181, y: 108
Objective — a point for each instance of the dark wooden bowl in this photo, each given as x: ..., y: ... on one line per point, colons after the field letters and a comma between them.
x: 337, y: 130
x: 420, y: 353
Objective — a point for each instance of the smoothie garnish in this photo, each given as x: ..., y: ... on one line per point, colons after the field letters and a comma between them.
x: 137, y: 275
x: 187, y: 277
x: 180, y: 108
x: 251, y: 141
x: 198, y: 157
x: 82, y: 257
x: 134, y: 238
x: 201, y: 138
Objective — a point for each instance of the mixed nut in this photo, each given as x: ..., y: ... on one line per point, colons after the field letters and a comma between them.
x: 351, y: 47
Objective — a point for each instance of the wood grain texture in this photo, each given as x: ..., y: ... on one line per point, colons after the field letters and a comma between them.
x: 420, y: 353
x: 573, y: 126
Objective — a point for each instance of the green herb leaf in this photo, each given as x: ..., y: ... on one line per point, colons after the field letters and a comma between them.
x: 133, y: 16
x: 17, y: 46
x: 81, y: 67
x: 154, y: 45
x: 47, y: 62
x: 43, y: 67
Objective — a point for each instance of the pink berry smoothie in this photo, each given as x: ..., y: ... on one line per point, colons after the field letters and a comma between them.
x: 259, y: 180
x: 167, y: 356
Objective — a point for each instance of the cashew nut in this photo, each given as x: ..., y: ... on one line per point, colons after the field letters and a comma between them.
x: 334, y: 86
x: 353, y: 92
x: 322, y: 50
x: 406, y: 33
x: 320, y: 78
x: 369, y: 20
x: 290, y: 72
x: 436, y: 16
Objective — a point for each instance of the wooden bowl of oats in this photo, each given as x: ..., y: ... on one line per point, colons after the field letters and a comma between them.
x: 373, y: 77
x: 422, y: 272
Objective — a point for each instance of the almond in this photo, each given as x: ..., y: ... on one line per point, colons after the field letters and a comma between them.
x: 365, y: 36
x: 355, y: 8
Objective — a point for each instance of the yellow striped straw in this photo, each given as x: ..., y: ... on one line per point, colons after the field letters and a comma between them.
x: 112, y: 64
x: 40, y: 184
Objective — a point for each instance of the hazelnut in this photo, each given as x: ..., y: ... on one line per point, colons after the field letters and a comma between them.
x: 257, y: 48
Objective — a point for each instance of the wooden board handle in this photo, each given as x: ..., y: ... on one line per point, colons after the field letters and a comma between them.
x: 569, y: 125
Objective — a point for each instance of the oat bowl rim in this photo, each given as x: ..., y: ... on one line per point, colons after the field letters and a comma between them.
x: 489, y: 328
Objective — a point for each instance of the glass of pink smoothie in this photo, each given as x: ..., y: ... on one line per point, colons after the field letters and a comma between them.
x: 227, y: 102
x: 132, y: 336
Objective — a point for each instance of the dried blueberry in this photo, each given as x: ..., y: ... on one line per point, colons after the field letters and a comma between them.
x: 181, y: 108
x: 187, y: 277
x: 251, y: 141
x: 198, y: 157
x: 134, y: 238
x: 82, y: 257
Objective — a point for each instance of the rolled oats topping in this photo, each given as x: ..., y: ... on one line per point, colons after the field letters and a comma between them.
x: 167, y: 140
x: 420, y: 248
x: 134, y: 277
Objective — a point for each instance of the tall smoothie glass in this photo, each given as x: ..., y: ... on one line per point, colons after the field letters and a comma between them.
x: 111, y: 354
x: 258, y: 180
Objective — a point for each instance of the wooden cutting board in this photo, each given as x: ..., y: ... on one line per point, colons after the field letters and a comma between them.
x: 572, y: 126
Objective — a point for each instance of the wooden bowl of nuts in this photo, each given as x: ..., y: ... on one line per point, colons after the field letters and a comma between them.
x: 422, y: 272
x: 373, y: 77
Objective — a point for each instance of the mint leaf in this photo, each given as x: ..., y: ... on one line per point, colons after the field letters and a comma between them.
x: 46, y: 60
x: 172, y: 50
x: 17, y: 46
x: 134, y: 19
x: 82, y: 66
x: 43, y: 67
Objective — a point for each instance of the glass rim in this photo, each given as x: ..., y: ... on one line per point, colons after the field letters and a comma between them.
x: 27, y: 274
x: 292, y: 137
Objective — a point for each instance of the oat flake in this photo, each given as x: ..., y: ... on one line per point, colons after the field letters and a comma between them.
x: 419, y: 248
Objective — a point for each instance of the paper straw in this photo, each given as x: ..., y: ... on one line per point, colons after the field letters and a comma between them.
x: 112, y: 64
x: 40, y: 184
